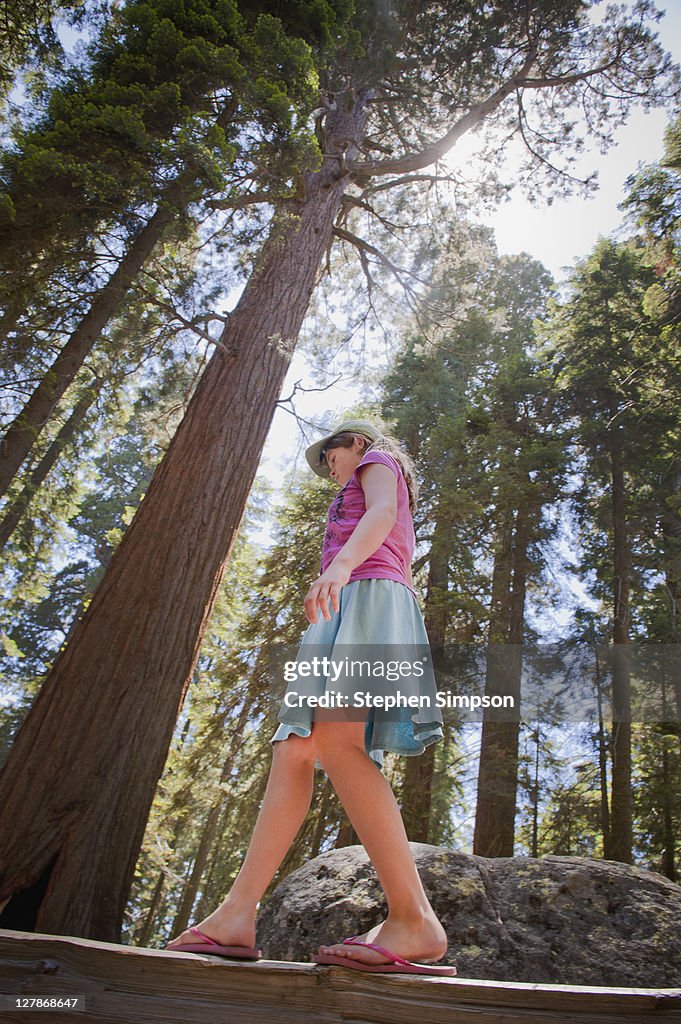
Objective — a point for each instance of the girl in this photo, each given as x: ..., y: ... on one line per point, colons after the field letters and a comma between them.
x: 365, y: 596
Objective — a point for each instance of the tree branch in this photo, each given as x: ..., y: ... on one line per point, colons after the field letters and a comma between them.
x: 430, y: 155
x: 251, y: 199
x: 409, y: 179
x: 365, y: 248
x: 298, y: 386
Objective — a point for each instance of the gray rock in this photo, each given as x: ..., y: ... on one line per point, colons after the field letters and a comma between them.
x: 565, y: 920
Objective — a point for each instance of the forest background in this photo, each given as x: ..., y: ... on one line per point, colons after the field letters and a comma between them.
x: 143, y: 169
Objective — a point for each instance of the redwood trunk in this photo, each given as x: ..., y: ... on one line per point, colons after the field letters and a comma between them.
x: 534, y: 843
x: 621, y: 809
x: 670, y: 523
x: 322, y: 814
x: 346, y: 834
x: 417, y: 791
x: 486, y: 840
x: 194, y: 881
x: 143, y: 936
x: 79, y: 782
x: 498, y: 776
x: 669, y: 797
x: 602, y: 762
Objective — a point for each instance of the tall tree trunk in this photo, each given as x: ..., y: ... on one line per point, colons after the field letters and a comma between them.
x: 669, y: 798
x: 417, y: 788
x: 79, y: 781
x: 142, y: 936
x: 14, y: 512
x: 602, y: 762
x: 27, y: 426
x: 487, y: 841
x: 621, y: 806
x: 670, y: 523
x: 498, y: 776
x: 208, y: 898
x: 534, y: 841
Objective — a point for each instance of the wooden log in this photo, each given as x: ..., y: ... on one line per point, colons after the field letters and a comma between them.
x: 128, y: 985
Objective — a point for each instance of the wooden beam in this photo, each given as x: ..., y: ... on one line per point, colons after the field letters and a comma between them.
x: 129, y: 985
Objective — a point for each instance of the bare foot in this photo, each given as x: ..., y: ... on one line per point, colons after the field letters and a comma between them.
x: 424, y: 941
x: 227, y: 925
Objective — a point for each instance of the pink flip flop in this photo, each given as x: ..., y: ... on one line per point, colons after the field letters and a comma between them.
x: 397, y: 965
x: 213, y: 948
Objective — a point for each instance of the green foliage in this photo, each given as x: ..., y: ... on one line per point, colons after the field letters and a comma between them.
x: 110, y: 132
x: 476, y: 412
x: 28, y: 37
x: 570, y: 825
x: 58, y: 553
x: 657, y: 758
x: 620, y: 385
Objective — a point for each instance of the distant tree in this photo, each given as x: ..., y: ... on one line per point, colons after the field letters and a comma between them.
x: 606, y: 338
x: 526, y: 451
x: 654, y: 203
x: 471, y: 399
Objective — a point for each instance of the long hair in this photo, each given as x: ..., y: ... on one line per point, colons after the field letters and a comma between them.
x: 386, y: 443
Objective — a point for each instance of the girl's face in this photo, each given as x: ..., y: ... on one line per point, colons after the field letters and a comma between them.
x: 343, y: 462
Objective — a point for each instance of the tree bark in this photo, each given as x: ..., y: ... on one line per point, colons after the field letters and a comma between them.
x: 201, y: 859
x: 621, y: 805
x: 417, y: 788
x: 494, y: 834
x: 534, y: 841
x: 670, y: 524
x: 346, y: 835
x: 486, y: 841
x: 81, y: 776
x: 669, y: 797
x: 602, y: 762
x: 209, y: 896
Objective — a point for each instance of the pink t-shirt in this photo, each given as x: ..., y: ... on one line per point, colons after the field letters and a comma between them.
x: 390, y: 561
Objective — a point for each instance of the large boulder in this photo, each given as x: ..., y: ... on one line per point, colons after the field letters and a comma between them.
x: 566, y: 920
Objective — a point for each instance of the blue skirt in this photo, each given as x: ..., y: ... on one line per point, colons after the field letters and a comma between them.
x: 378, y: 626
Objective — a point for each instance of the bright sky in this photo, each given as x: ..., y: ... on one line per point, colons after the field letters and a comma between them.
x: 559, y: 234
x: 556, y: 235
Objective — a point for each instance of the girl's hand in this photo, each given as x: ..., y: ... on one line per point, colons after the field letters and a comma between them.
x: 326, y: 587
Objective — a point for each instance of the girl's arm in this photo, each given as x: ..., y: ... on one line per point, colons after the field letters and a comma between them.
x: 380, y: 496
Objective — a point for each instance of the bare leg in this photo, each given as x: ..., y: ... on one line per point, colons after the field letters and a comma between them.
x: 411, y: 928
x: 285, y: 804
